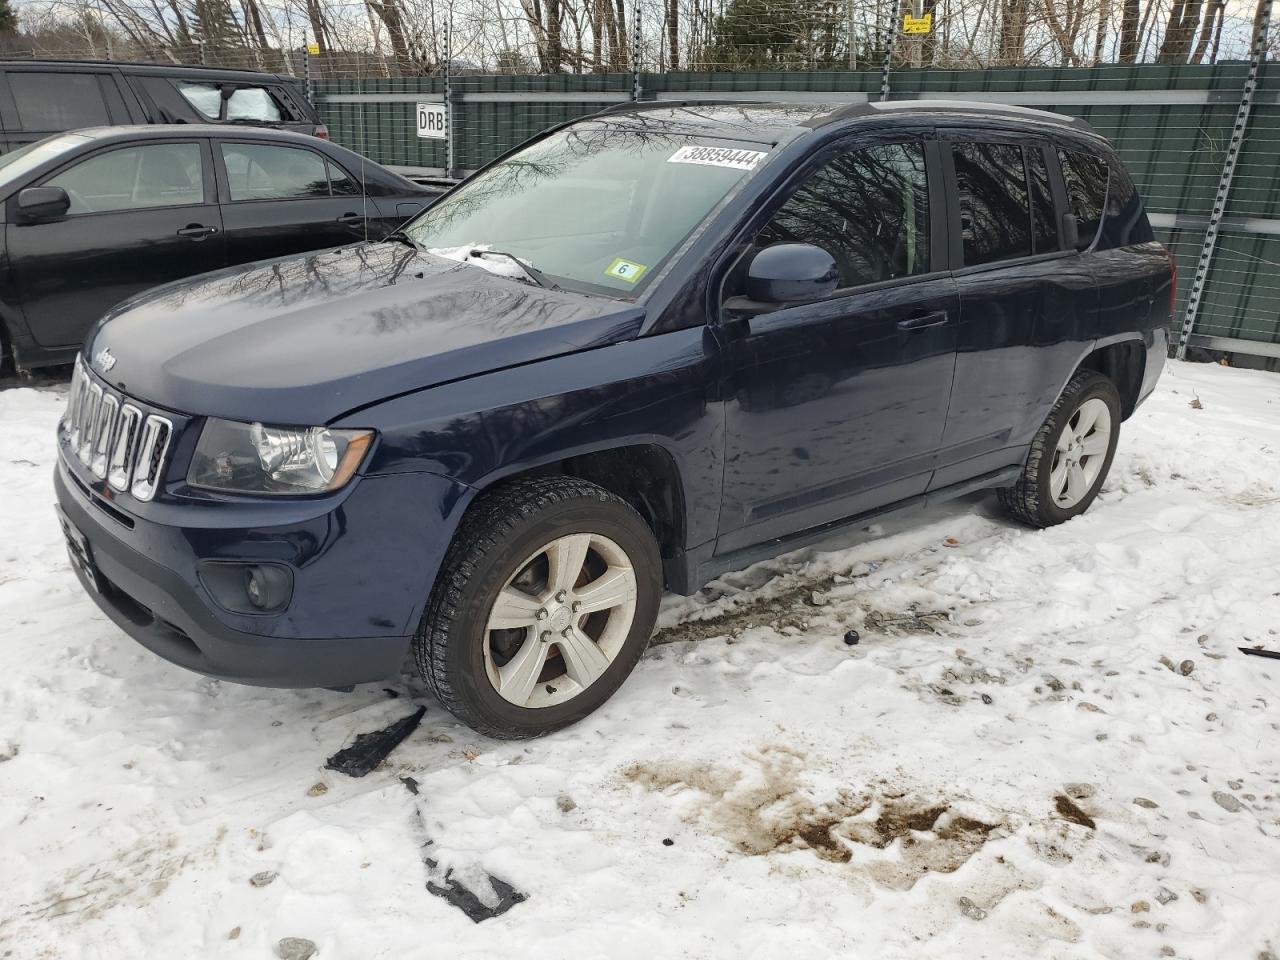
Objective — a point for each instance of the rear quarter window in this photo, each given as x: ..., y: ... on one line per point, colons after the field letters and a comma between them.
x: 1086, y: 178
x: 1125, y: 222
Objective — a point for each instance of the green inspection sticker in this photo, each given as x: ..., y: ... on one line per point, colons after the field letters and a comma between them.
x: 627, y: 271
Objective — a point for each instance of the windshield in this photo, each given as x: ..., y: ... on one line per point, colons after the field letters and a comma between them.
x: 594, y: 208
x: 18, y: 162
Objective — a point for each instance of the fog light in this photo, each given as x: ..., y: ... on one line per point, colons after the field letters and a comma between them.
x: 248, y: 587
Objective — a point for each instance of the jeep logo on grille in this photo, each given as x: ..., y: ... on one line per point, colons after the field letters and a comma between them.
x: 103, y: 360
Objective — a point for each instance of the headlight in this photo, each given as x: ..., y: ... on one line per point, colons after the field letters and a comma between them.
x: 253, y: 458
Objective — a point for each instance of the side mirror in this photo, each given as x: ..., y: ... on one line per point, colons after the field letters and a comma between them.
x: 791, y: 273
x: 1070, y: 231
x: 40, y: 204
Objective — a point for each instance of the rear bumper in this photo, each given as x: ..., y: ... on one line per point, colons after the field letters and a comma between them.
x: 171, y: 615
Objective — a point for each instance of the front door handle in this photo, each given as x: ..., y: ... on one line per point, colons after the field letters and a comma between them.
x: 197, y: 231
x: 351, y: 219
x: 921, y: 321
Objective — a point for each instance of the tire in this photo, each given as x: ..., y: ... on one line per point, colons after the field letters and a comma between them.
x: 513, y: 543
x: 1039, y: 498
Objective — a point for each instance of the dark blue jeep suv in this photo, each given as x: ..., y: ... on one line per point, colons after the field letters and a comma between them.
x: 637, y: 352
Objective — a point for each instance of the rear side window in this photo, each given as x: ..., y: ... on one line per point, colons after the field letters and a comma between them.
x: 1086, y: 178
x: 252, y: 103
x: 259, y: 172
x: 58, y: 101
x: 1125, y: 221
x: 995, y: 211
x: 1044, y: 218
x: 243, y: 103
x: 869, y: 209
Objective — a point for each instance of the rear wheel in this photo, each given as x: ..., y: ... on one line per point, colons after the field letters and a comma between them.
x: 543, y: 605
x: 1070, y: 455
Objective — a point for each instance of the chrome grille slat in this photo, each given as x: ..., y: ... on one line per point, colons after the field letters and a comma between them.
x: 114, y: 438
x: 156, y: 432
x: 107, y: 409
x: 89, y: 422
x: 120, y: 467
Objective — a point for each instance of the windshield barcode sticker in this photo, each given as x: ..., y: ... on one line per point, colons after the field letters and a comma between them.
x: 718, y: 157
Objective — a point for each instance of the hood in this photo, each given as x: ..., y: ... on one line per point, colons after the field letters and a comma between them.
x: 303, y: 340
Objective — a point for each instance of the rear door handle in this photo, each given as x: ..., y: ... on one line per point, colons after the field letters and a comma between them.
x: 197, y: 231
x: 921, y: 321
x: 351, y: 219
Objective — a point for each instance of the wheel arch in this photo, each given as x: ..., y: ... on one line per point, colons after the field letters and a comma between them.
x: 1122, y: 361
x: 642, y: 471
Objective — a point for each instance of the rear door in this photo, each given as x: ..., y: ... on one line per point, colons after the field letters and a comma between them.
x: 279, y: 199
x: 37, y: 102
x: 141, y: 214
x: 1027, y: 303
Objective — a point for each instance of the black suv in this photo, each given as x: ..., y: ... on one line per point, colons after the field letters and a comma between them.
x: 642, y: 350
x: 39, y: 98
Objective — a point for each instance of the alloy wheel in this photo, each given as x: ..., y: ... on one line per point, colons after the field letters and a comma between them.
x: 1080, y: 453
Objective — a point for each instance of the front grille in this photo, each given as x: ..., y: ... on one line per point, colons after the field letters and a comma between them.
x: 113, y: 438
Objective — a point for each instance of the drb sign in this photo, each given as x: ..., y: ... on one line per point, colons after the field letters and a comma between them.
x: 431, y: 121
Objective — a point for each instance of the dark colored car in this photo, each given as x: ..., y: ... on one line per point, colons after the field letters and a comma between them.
x: 650, y: 347
x: 95, y: 216
x: 39, y: 98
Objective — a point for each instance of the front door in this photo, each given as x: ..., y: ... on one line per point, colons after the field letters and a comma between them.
x: 140, y: 215
x: 838, y: 406
x: 280, y: 200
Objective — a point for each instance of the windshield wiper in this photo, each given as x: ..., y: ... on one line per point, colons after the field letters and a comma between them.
x: 399, y: 236
x: 530, y: 271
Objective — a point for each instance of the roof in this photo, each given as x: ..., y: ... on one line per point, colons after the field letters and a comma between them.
x: 133, y: 66
x: 765, y: 122
x: 152, y: 131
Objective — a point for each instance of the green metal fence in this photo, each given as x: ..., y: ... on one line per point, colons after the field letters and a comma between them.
x: 1172, y: 126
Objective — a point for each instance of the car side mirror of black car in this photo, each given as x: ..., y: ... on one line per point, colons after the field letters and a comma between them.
x: 1070, y: 231
x: 41, y: 204
x: 785, y: 274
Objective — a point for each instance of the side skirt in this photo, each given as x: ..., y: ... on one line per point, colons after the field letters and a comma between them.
x: 688, y: 572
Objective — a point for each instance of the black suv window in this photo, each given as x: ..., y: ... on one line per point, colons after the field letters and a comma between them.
x: 869, y: 209
x: 58, y: 101
x: 1086, y: 179
x: 995, y: 211
x: 242, y: 103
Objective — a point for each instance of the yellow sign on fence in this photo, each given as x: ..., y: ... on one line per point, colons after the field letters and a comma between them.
x: 313, y: 49
x: 912, y: 24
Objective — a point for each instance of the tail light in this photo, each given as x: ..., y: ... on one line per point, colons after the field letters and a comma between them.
x: 322, y: 131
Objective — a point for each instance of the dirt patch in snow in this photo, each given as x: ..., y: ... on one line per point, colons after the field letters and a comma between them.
x: 762, y: 808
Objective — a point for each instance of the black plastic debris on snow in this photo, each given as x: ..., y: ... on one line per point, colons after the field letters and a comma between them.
x: 457, y: 893
x: 370, y: 749
x: 1259, y: 653
x: 466, y: 901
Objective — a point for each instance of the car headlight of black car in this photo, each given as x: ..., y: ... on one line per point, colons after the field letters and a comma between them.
x: 239, y: 457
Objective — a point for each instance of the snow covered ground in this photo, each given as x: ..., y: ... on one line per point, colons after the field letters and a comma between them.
x: 1045, y: 745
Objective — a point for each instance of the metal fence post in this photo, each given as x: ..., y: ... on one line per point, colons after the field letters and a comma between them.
x: 306, y: 69
x: 450, y: 113
x: 1256, y: 55
x: 637, y: 87
x: 889, y: 39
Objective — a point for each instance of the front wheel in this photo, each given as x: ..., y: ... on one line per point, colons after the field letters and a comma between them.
x: 543, y: 605
x: 1070, y: 455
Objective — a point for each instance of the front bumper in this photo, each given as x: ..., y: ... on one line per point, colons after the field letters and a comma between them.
x: 318, y: 641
